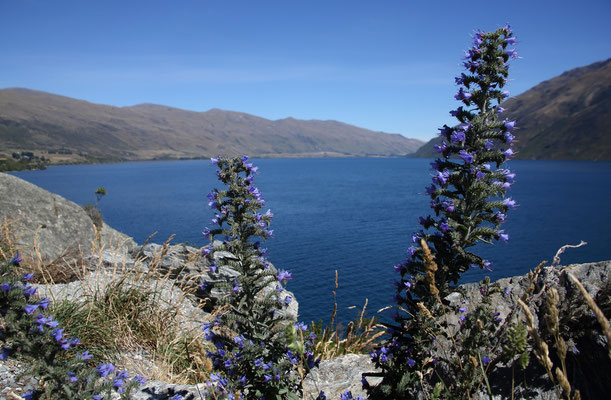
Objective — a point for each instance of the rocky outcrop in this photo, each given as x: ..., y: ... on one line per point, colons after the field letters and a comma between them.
x: 587, y: 360
x: 55, y: 227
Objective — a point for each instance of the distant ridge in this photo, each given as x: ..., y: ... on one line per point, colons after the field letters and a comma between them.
x: 564, y: 118
x: 79, y: 130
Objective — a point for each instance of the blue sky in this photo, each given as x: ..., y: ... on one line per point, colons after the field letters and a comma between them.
x: 383, y: 65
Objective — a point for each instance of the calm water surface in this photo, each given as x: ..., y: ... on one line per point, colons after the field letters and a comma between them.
x: 355, y: 216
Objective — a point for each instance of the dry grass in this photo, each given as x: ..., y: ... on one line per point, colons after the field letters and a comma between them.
x: 359, y: 336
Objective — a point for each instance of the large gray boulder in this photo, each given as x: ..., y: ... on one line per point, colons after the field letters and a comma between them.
x: 43, y: 220
x: 55, y: 227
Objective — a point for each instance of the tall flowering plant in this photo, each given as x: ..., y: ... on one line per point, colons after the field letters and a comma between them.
x: 259, y: 351
x: 468, y: 201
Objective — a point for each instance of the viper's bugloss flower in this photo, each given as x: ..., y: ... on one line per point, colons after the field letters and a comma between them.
x: 214, y: 161
x: 16, y: 259
x: 30, y: 308
x: 28, y: 291
x: 300, y: 326
x: 105, y: 369
x: 509, y: 203
x: 467, y: 199
x: 84, y: 355
x: 462, y: 95
x: 485, y: 360
x: 27, y: 277
x: 467, y: 158
x: 284, y: 275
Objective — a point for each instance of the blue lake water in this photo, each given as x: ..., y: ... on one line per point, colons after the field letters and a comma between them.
x: 355, y: 216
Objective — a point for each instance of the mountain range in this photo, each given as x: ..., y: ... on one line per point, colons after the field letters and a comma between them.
x: 564, y: 118
x: 78, y: 130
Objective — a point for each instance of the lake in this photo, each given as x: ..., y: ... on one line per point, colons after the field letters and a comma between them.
x: 353, y: 215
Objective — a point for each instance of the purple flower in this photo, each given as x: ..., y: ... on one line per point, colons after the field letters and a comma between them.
x: 448, y: 205
x: 139, y: 379
x: 488, y: 145
x: 480, y: 175
x: 16, y: 259
x: 485, y: 360
x: 5, y: 287
x: 468, y: 158
x: 458, y: 136
x: 411, y: 362
x: 510, y: 40
x: 244, y: 158
x: 503, y: 236
x: 27, y: 277
x: 28, y: 291
x: 284, y: 275
x: 57, y: 334
x: 105, y: 369
x: 44, y: 303
x: 505, y: 93
x: 441, y: 148
x: 511, y: 53
x: 444, y: 227
x: 508, y: 153
x: 84, y: 355
x: 509, y: 203
x: 72, y: 376
x: 30, y: 308
x: 510, y: 125
x: 462, y: 95
x: 499, y: 110
x: 214, y: 161
x: 300, y: 326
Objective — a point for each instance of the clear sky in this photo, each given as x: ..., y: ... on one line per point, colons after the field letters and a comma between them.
x: 383, y: 65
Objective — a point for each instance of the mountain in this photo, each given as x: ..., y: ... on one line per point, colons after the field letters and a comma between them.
x: 78, y: 130
x: 564, y: 118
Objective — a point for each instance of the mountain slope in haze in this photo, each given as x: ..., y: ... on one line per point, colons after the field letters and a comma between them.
x: 564, y: 118
x: 38, y: 121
